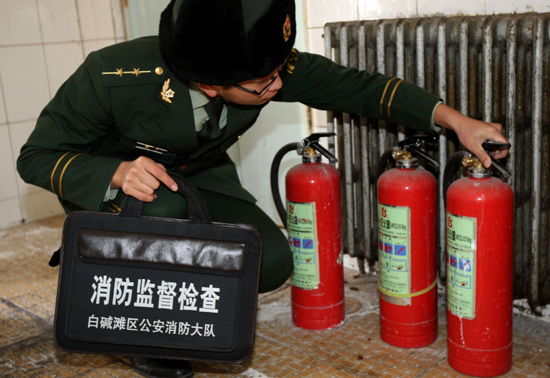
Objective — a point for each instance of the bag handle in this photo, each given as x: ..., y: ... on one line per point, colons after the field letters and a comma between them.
x: 196, y: 205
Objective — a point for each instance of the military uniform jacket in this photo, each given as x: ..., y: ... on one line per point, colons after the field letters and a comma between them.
x: 124, y: 101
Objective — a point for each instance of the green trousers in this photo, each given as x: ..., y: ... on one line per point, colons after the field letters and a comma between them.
x: 277, y: 261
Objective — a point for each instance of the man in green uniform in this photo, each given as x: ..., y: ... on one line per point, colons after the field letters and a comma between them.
x: 178, y: 101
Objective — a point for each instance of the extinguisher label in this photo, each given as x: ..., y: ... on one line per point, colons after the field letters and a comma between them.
x: 302, y: 236
x: 461, y: 265
x: 394, y: 253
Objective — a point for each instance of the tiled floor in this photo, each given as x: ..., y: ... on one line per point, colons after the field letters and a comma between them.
x: 27, y: 296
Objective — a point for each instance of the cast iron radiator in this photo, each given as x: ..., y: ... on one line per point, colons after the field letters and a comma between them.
x: 493, y: 68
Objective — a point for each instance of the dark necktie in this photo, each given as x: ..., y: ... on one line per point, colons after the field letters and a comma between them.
x: 211, y: 128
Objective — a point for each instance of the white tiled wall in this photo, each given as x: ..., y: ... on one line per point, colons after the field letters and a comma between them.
x: 95, y: 25
x: 41, y: 44
x: 319, y: 12
x: 24, y: 81
x: 8, y: 189
x: 60, y: 59
x: 337, y: 10
x: 58, y: 21
x: 20, y: 22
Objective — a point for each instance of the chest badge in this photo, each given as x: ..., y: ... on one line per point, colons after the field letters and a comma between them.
x: 287, y: 29
x: 167, y: 93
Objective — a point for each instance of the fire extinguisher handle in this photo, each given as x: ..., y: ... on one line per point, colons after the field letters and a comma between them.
x: 413, y: 143
x: 313, y: 141
x: 418, y: 152
x: 313, y: 138
x: 491, y: 146
x: 323, y: 151
x: 500, y: 168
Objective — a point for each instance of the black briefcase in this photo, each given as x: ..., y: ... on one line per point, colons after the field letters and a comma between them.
x: 136, y: 285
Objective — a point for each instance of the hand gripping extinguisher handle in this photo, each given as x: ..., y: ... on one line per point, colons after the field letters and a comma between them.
x: 491, y: 146
x: 311, y: 141
x: 456, y: 159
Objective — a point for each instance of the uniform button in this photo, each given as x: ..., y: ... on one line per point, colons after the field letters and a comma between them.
x: 159, y: 71
x: 240, y: 136
x: 182, y: 168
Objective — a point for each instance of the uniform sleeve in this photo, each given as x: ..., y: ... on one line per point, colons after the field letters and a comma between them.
x: 322, y: 84
x: 58, y: 155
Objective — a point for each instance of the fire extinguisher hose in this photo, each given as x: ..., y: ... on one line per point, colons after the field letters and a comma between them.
x: 415, y: 294
x: 274, y: 178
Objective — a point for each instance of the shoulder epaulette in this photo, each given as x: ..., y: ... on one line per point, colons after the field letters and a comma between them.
x: 130, y: 72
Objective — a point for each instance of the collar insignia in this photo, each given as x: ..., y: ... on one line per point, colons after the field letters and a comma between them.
x: 287, y: 29
x: 167, y: 93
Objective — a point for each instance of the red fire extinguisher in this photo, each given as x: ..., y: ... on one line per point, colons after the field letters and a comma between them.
x: 407, y: 218
x: 313, y: 220
x: 480, y: 214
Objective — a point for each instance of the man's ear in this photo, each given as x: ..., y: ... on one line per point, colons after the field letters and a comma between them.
x: 210, y: 90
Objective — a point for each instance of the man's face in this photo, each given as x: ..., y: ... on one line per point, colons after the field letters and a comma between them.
x: 245, y: 93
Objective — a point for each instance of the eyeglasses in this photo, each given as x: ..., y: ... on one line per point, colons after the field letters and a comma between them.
x: 263, y: 90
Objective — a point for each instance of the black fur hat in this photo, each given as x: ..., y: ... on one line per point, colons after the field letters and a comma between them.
x: 225, y: 42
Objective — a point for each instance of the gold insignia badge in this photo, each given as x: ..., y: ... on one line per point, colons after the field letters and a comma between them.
x: 120, y: 72
x: 291, y: 61
x: 167, y: 93
x: 287, y: 29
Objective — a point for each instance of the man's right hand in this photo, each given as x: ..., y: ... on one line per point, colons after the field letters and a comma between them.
x: 140, y: 178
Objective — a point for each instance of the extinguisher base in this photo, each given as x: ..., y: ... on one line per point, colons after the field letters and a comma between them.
x: 479, y: 363
x: 408, y: 335
x: 318, y: 324
x: 481, y: 369
x: 409, y: 341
